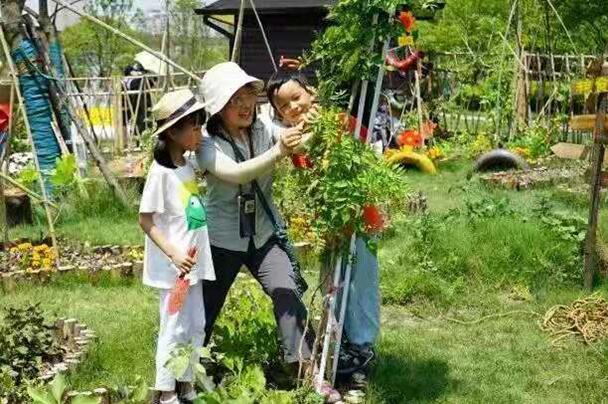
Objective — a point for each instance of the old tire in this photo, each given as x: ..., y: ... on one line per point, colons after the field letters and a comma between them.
x: 499, y: 159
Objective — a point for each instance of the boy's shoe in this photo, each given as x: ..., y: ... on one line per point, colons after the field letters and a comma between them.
x: 330, y: 394
x: 354, y: 358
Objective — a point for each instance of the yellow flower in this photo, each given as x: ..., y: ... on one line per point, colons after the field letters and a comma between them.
x: 47, y: 263
x: 24, y: 247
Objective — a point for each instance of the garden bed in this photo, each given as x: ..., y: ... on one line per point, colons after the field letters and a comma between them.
x: 36, y: 262
x: 532, y: 178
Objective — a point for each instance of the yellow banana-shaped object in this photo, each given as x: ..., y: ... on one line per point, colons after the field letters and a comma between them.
x: 409, y: 156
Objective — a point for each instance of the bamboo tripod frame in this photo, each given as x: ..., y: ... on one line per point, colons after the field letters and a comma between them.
x: 45, y: 197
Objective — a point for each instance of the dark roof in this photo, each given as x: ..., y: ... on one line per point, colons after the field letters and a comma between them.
x: 264, y: 6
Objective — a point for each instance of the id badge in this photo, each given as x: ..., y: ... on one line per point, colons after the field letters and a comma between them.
x: 247, y: 208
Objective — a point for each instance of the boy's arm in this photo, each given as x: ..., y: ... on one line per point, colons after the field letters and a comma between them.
x: 181, y: 260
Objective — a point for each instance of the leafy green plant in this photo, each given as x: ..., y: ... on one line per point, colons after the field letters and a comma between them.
x: 26, y: 341
x: 28, y: 176
x: 342, y: 54
x: 346, y: 175
x: 242, y: 334
x: 55, y: 393
x: 536, y: 139
x: 131, y: 394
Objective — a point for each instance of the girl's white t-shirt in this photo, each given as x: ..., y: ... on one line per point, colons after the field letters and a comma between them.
x: 173, y: 197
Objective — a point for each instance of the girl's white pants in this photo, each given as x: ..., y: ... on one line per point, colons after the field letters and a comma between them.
x: 185, y: 327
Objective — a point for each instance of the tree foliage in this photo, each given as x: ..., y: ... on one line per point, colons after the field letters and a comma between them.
x: 95, y: 50
x: 193, y: 43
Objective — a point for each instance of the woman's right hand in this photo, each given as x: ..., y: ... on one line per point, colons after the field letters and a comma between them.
x: 183, y: 263
x: 290, y: 139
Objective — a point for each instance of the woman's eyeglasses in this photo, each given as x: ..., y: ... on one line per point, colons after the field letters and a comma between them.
x: 244, y: 101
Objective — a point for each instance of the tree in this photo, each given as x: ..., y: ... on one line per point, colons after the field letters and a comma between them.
x: 192, y: 42
x: 95, y: 50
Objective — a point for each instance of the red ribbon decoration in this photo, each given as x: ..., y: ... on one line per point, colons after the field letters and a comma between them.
x: 406, y: 64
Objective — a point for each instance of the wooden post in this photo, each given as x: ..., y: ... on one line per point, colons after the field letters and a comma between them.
x: 599, y: 137
x: 117, y: 113
x: 45, y: 203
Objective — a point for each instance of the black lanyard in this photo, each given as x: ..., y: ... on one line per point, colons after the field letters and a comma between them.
x: 254, y: 184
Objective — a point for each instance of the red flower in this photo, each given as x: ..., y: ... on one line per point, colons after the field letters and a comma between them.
x: 408, y: 20
x: 301, y: 161
x: 410, y: 138
x: 373, y: 219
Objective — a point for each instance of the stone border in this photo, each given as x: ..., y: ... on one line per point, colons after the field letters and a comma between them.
x: 76, y: 339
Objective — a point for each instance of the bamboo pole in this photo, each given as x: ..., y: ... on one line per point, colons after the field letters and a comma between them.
x: 417, y: 75
x: 596, y: 185
x: 25, y: 189
x: 46, y: 203
x: 236, y: 47
x: 128, y: 38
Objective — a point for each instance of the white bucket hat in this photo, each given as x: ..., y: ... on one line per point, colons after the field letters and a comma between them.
x: 174, y: 106
x: 221, y: 82
x: 151, y: 63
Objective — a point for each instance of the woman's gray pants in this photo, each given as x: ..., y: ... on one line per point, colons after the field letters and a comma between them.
x: 271, y: 267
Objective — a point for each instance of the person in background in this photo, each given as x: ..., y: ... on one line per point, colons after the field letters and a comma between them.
x: 291, y: 99
x: 173, y: 217
x: 137, y: 104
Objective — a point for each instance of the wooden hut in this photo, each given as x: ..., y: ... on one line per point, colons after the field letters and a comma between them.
x: 290, y: 27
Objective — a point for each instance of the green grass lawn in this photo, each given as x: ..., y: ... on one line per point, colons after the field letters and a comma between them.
x: 432, y: 271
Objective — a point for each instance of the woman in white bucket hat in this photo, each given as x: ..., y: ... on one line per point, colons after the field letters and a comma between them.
x: 173, y: 216
x: 240, y: 229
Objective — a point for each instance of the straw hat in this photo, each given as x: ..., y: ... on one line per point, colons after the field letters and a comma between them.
x: 151, y: 63
x: 172, y: 107
x: 221, y: 82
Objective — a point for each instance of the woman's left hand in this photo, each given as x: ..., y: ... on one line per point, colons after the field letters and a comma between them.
x: 291, y: 138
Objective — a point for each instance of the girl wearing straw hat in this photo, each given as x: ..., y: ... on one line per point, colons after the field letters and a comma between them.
x: 239, y: 152
x: 174, y: 219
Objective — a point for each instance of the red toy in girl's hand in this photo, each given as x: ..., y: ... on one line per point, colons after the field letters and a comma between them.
x: 373, y: 219
x: 301, y: 161
x: 180, y: 290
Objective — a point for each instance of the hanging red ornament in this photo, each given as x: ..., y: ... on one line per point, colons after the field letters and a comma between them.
x: 373, y: 219
x: 406, y: 64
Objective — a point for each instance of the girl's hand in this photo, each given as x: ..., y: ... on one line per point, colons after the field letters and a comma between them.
x: 183, y: 263
x: 291, y: 138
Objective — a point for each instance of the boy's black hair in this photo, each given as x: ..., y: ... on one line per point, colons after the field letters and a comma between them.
x: 281, y: 77
x: 161, y: 147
